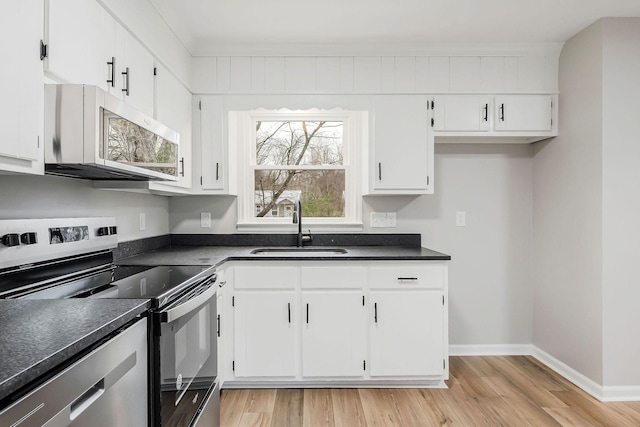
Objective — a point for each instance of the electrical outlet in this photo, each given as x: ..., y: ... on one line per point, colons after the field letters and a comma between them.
x: 391, y: 219
x: 143, y: 221
x: 461, y: 219
x: 205, y: 219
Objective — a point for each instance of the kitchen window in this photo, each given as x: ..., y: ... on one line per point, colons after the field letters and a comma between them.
x: 314, y: 156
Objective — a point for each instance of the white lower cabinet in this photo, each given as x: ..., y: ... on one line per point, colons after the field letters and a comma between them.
x: 346, y: 323
x: 265, y: 335
x: 407, y: 333
x: 333, y: 334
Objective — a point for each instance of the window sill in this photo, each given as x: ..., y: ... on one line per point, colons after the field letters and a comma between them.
x: 315, y: 227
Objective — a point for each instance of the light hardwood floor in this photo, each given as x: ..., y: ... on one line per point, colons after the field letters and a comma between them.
x: 511, y: 391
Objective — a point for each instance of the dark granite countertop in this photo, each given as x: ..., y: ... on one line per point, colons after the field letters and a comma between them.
x: 38, y: 335
x: 217, y: 255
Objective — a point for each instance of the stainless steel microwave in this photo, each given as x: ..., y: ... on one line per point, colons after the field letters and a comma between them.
x: 91, y: 134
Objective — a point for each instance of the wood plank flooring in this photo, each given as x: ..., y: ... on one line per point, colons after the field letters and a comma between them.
x: 509, y: 391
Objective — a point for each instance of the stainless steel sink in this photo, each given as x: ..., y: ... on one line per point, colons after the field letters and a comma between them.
x: 289, y: 251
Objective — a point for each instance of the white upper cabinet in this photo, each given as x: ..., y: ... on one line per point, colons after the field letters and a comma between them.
x: 127, y: 67
x: 402, y: 160
x: 523, y: 113
x: 461, y: 113
x: 213, y: 160
x: 499, y: 118
x: 86, y: 45
x: 21, y: 83
x: 173, y: 108
x: 137, y: 74
x: 75, y: 42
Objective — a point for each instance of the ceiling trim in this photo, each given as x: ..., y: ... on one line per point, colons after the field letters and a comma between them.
x: 207, y: 49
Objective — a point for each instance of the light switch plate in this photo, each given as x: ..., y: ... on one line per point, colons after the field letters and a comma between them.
x: 143, y: 221
x: 205, y: 219
x: 461, y: 219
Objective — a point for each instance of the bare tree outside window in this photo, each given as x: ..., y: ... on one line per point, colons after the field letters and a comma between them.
x: 299, y: 160
x: 130, y: 143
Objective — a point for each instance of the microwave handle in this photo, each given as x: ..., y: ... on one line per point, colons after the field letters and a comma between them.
x: 168, y: 316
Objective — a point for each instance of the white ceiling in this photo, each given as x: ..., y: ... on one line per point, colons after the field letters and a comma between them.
x: 207, y: 27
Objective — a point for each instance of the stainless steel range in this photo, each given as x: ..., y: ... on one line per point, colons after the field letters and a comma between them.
x: 72, y: 258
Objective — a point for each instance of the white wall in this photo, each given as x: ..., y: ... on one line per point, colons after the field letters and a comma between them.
x: 567, y: 215
x: 490, y: 273
x: 55, y: 197
x: 586, y: 202
x: 621, y: 201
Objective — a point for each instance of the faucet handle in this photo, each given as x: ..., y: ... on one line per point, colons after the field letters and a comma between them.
x: 295, y: 217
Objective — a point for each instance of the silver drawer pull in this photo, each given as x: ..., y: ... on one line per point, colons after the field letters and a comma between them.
x: 85, y: 400
x: 407, y: 279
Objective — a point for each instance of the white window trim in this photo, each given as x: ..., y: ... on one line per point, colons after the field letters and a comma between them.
x: 242, y: 133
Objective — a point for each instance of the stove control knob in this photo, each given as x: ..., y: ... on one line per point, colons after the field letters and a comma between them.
x: 11, y: 239
x: 29, y: 238
x: 103, y: 231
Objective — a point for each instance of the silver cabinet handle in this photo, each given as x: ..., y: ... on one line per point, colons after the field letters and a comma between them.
x: 112, y: 63
x: 126, y: 75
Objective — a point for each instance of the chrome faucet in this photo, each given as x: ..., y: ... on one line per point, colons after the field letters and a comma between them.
x: 297, y: 219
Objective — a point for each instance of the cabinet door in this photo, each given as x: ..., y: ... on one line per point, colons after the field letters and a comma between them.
x: 173, y: 109
x: 75, y: 42
x: 407, y: 333
x: 461, y: 113
x: 21, y: 84
x: 113, y: 55
x: 212, y: 145
x: 523, y: 113
x: 264, y: 334
x: 333, y: 334
x: 138, y: 89
x: 403, y: 149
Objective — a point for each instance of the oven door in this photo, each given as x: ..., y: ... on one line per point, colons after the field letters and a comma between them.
x: 187, y: 356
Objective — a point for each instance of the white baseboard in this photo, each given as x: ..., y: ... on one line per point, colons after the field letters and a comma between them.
x: 621, y: 394
x: 491, y: 350
x: 602, y: 393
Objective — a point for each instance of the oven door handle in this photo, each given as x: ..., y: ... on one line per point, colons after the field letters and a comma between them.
x: 168, y: 316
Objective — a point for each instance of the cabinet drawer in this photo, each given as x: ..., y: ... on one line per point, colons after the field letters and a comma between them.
x: 407, y: 275
x: 332, y: 276
x: 273, y: 276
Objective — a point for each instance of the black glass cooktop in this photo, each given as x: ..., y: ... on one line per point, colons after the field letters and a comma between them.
x: 160, y: 284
